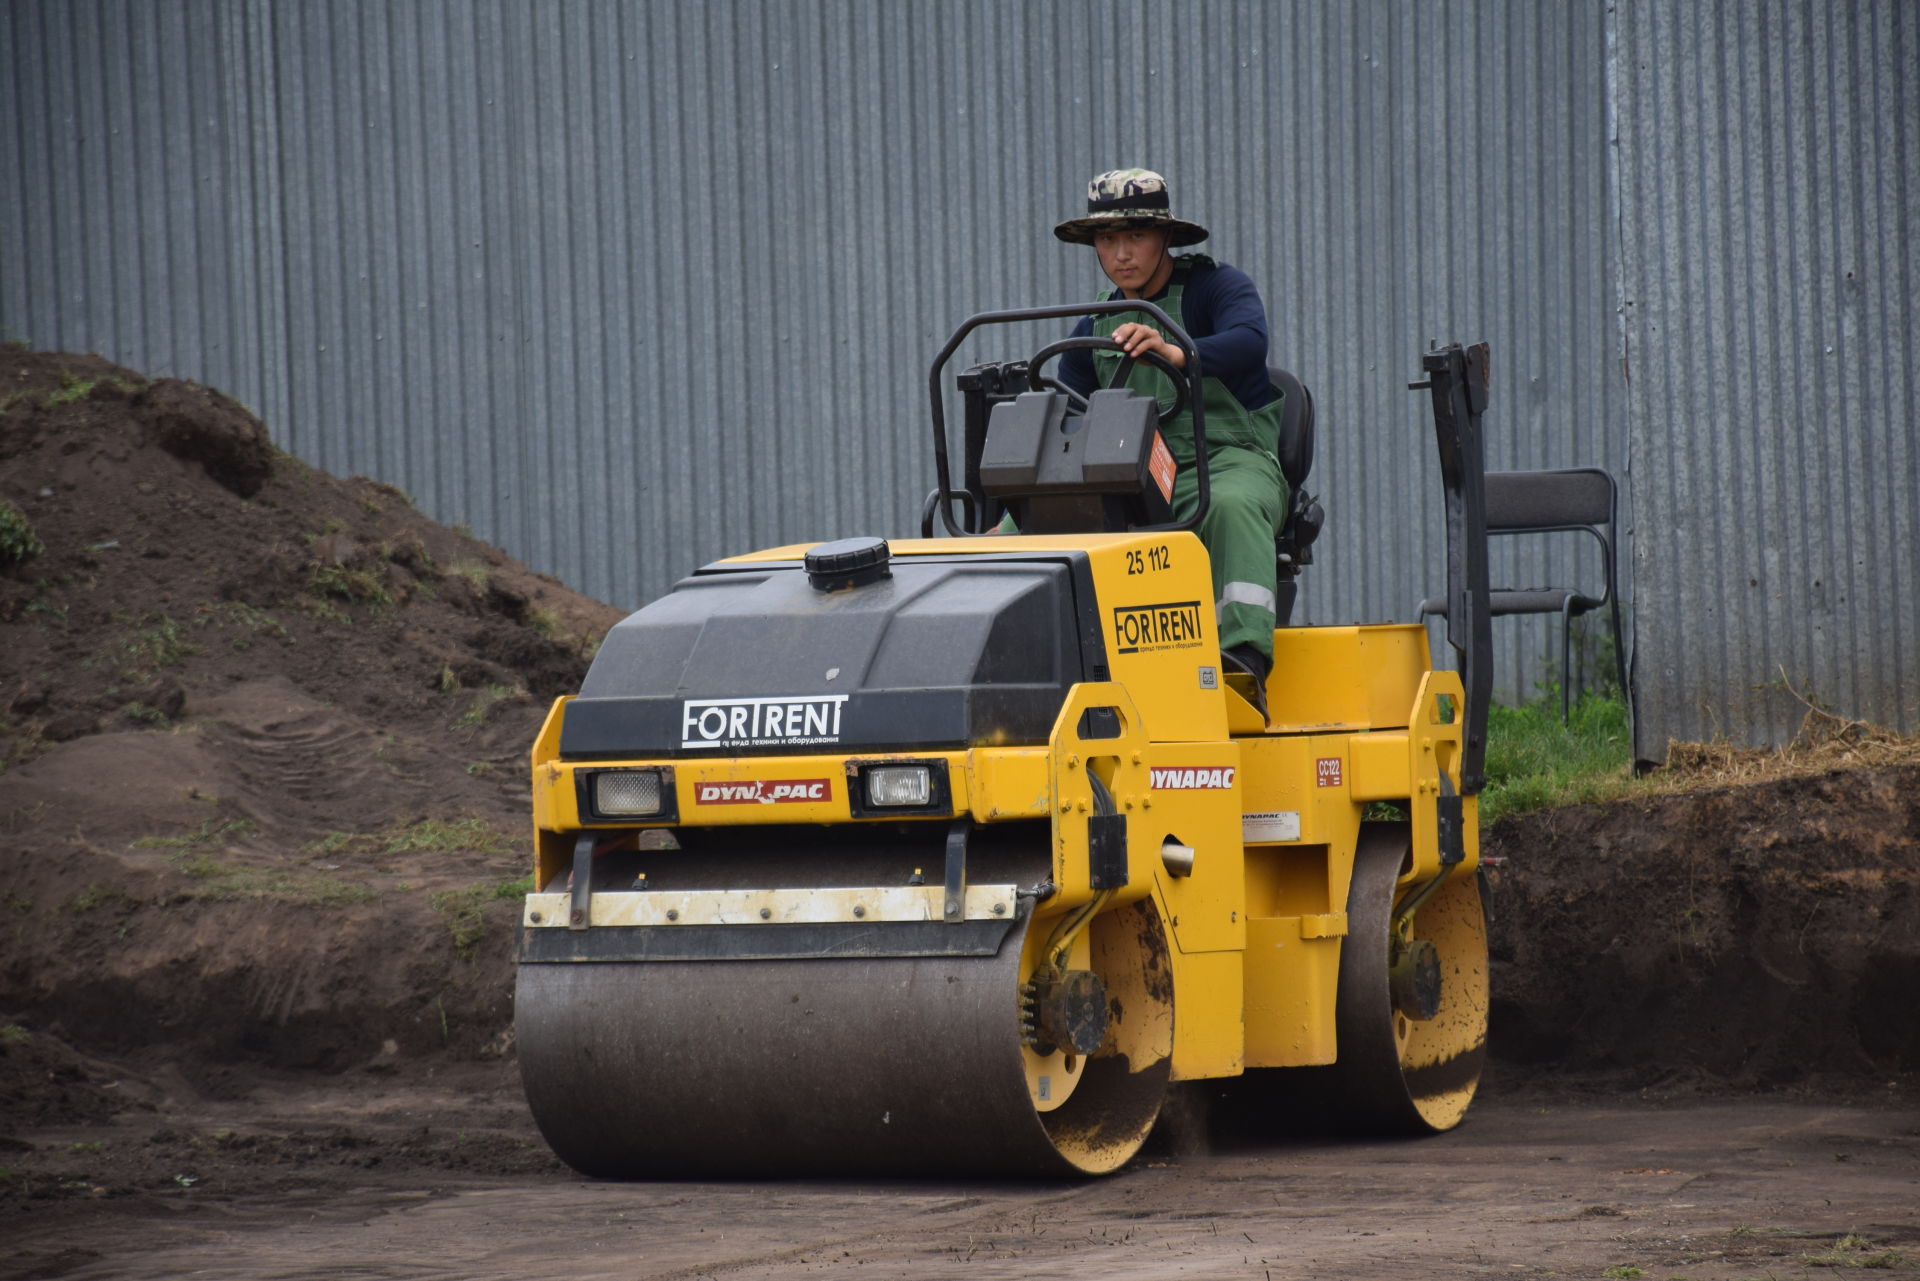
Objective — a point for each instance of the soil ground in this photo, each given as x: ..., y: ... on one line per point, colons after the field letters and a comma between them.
x: 263, y: 730
x: 440, y: 1175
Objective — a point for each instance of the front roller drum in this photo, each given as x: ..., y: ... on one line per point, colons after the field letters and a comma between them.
x: 914, y: 1064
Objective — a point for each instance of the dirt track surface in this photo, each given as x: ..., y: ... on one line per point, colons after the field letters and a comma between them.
x: 365, y: 1177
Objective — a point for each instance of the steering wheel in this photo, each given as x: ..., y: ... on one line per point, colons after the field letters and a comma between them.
x: 1039, y: 358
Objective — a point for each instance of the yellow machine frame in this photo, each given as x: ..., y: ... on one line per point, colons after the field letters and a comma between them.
x: 1271, y: 814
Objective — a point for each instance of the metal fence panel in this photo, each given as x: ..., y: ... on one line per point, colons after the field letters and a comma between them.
x: 628, y: 287
x: 1770, y: 270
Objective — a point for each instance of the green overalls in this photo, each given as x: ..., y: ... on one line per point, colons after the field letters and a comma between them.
x: 1248, y: 495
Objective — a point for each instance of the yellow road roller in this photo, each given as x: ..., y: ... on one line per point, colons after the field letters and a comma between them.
x: 953, y: 854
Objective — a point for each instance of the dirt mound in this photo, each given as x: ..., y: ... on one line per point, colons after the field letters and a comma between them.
x: 199, y: 425
x: 1759, y: 934
x: 43, y: 1082
x: 263, y: 734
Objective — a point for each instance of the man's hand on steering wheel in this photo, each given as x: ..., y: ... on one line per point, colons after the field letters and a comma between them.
x: 1177, y: 376
x: 1138, y: 340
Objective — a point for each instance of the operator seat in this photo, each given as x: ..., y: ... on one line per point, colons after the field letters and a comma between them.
x: 1293, y: 546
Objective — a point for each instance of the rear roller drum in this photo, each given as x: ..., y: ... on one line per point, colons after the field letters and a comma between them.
x: 1412, y: 1009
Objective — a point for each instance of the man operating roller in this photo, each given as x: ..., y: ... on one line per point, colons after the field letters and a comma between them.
x: 1131, y: 226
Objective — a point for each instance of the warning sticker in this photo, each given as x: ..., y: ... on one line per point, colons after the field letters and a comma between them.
x: 763, y: 791
x: 1270, y: 825
x: 1160, y: 463
x: 1327, y: 771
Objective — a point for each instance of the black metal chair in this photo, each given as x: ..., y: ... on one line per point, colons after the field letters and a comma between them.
x: 1551, y: 502
x: 1293, y: 547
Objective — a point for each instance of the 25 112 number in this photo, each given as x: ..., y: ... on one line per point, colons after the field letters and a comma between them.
x: 1148, y: 560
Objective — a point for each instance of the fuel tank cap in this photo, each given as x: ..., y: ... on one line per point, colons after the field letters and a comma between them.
x: 850, y: 562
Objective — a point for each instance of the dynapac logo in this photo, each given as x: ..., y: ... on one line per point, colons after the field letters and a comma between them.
x: 763, y: 791
x: 1187, y: 780
x: 1149, y: 627
x: 761, y: 722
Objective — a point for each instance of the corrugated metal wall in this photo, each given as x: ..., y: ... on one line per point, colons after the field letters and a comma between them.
x: 1769, y: 205
x: 626, y: 287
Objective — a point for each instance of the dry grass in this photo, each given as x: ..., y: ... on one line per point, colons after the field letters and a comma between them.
x: 1825, y: 741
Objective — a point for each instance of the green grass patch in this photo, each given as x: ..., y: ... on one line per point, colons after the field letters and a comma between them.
x: 249, y: 620
x: 429, y: 835
x: 544, y: 621
x: 336, y: 843
x: 483, y: 701
x: 162, y: 642
x: 1853, y: 1251
x: 465, y: 909
x: 439, y: 836
x: 95, y: 895
x: 157, y: 641
x: 212, y: 830
x: 216, y: 880
x: 14, y: 1034
x: 201, y: 867
x: 475, y: 572
x: 320, y: 607
x: 73, y: 389
x: 341, y: 583
x: 1535, y: 762
x: 17, y: 539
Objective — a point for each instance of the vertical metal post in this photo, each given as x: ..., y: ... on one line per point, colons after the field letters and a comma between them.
x: 581, y: 914
x: 981, y: 388
x: 1457, y: 378
x: 954, y: 901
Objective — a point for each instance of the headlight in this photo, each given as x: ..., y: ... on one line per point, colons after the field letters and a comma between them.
x: 627, y: 793
x: 890, y: 786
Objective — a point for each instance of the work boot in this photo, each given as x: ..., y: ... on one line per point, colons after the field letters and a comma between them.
x: 1246, y: 671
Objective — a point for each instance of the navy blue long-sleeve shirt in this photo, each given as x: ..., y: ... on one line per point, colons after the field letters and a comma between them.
x: 1221, y: 311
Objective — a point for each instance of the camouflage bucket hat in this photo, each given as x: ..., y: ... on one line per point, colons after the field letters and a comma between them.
x: 1125, y: 198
